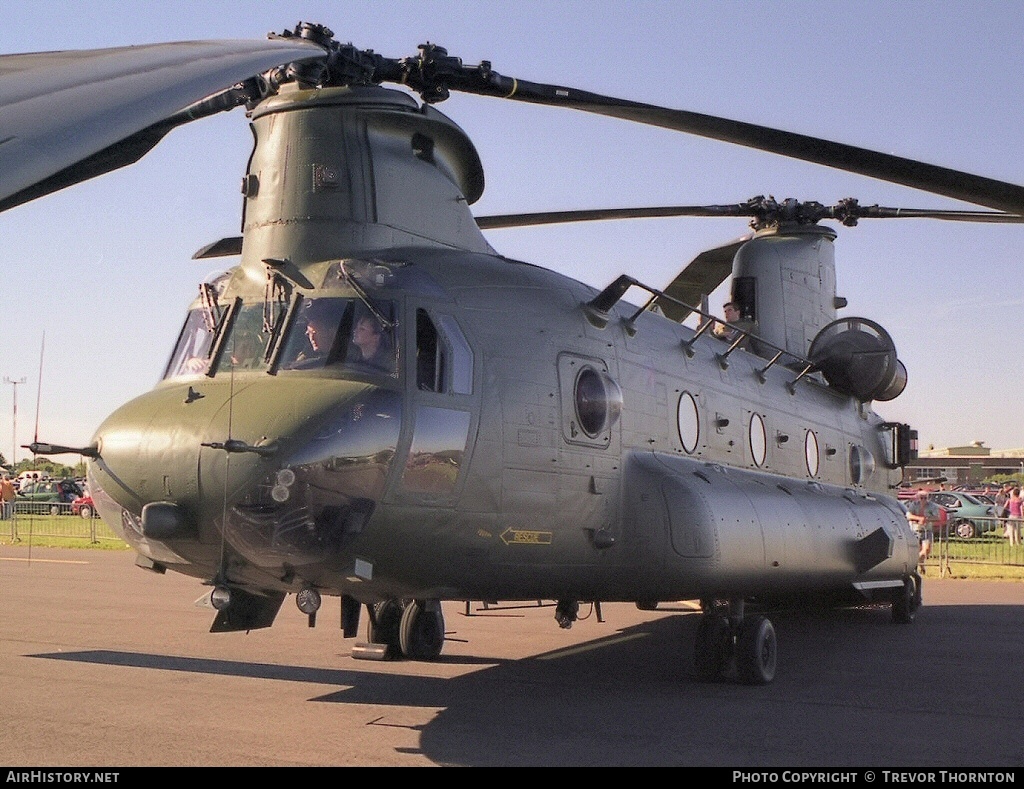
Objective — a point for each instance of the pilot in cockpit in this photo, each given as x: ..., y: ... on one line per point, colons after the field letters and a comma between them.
x: 313, y: 336
x: 371, y: 345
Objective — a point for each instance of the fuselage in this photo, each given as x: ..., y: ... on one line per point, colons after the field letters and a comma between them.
x: 481, y: 471
x: 507, y: 445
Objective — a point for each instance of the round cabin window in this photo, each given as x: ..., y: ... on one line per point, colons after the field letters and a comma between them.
x: 688, y: 422
x: 758, y: 439
x: 811, y: 451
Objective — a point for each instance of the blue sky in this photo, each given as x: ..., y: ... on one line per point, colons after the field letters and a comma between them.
x: 103, y: 271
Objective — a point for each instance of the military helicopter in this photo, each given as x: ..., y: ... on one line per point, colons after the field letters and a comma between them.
x: 374, y: 404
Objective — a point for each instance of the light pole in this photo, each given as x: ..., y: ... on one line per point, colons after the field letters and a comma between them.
x: 14, y: 418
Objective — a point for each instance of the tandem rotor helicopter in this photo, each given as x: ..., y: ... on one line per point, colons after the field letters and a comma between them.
x: 375, y: 404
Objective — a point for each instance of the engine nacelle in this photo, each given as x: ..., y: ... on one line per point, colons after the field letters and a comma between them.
x: 858, y: 358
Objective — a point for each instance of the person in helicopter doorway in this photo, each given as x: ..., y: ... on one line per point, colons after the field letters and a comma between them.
x: 923, y: 514
x: 731, y: 313
x: 371, y: 346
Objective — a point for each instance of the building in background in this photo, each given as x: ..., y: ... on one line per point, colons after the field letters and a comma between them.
x: 966, y: 466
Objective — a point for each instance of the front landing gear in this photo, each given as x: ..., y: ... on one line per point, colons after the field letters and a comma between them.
x: 421, y: 635
x: 403, y: 628
x: 735, y: 646
x: 907, y: 600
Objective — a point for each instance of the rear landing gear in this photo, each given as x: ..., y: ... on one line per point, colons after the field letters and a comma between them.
x: 413, y: 629
x: 734, y: 646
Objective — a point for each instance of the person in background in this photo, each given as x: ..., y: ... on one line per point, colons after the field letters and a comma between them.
x: 7, y: 496
x: 1000, y: 500
x: 923, y: 515
x: 1015, y: 509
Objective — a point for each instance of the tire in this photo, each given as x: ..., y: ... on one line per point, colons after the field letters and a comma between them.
x: 964, y: 529
x: 757, y: 651
x: 421, y: 635
x: 711, y: 653
x: 388, y: 616
x: 904, y: 607
x: 55, y: 509
x: 85, y: 512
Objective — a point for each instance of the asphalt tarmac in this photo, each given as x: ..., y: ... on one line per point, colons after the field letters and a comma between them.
x: 105, y: 665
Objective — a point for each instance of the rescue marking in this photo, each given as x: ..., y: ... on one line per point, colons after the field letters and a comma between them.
x: 526, y: 537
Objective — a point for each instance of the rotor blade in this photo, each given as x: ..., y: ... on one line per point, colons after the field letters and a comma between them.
x: 498, y: 221
x: 881, y: 212
x: 887, y: 167
x: 58, y: 109
x: 503, y: 221
x: 704, y: 273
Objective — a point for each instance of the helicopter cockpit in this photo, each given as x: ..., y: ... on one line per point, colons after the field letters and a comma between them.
x: 349, y: 334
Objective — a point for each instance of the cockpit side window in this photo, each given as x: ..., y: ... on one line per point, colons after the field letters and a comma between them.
x: 444, y: 361
x: 429, y: 354
x: 191, y: 354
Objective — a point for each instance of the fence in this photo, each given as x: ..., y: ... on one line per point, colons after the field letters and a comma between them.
x: 987, y: 547
x: 53, y: 519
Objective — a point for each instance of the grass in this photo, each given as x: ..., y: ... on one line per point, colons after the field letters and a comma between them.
x: 975, y: 571
x: 59, y: 531
x: 42, y: 541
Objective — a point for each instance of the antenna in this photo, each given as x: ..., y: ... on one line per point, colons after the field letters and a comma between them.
x: 39, y: 387
x: 14, y: 417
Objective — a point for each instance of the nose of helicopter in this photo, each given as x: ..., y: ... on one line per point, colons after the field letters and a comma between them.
x: 285, y: 472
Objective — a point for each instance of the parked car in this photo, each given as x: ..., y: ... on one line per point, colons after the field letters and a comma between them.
x: 83, y: 506
x: 51, y: 497
x: 967, y: 515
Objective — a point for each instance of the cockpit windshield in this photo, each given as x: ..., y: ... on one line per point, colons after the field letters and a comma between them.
x: 330, y: 331
x: 245, y: 348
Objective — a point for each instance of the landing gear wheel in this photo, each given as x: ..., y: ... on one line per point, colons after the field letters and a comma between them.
x: 904, y: 607
x: 388, y: 617
x: 757, y: 651
x: 421, y: 634
x: 711, y: 652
